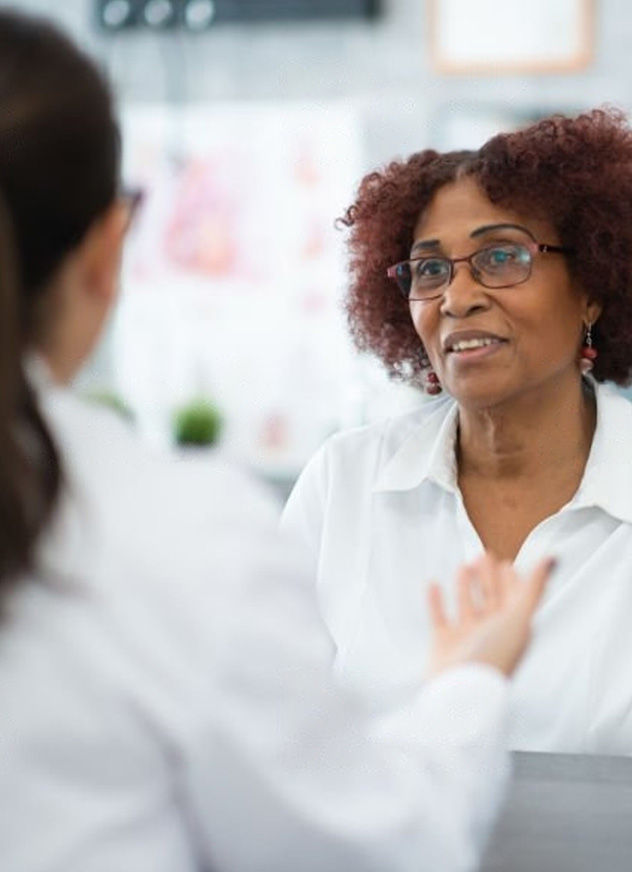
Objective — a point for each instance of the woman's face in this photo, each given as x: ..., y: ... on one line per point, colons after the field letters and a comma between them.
x: 513, y: 340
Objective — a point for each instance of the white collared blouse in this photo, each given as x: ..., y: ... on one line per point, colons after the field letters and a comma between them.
x: 380, y: 513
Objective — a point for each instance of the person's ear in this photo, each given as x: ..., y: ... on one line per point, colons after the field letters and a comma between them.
x: 593, y: 311
x: 101, y: 250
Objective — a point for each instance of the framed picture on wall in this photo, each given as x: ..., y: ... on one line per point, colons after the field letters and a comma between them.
x: 541, y: 36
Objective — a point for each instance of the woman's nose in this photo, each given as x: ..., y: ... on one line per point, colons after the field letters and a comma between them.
x: 464, y: 294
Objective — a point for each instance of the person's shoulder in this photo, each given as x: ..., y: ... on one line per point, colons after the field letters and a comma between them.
x: 614, y: 425
x: 388, y: 433
x: 131, y: 493
x: 164, y: 552
x: 613, y: 401
x: 82, y: 428
x: 96, y: 443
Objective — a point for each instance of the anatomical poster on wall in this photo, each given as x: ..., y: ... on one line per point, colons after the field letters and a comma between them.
x: 234, y: 271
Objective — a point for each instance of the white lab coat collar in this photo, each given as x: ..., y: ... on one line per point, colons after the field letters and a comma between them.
x: 427, y: 454
x: 38, y: 372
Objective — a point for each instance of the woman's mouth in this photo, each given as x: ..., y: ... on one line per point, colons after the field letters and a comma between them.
x: 466, y: 345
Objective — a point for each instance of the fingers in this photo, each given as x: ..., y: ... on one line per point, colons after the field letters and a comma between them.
x: 436, y: 606
x: 500, y: 581
x: 536, y: 583
x: 495, y: 606
x: 489, y: 571
x: 479, y: 589
x: 509, y: 581
x: 488, y: 586
x: 467, y: 593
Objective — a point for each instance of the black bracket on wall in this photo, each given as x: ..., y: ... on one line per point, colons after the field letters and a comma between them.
x: 200, y: 15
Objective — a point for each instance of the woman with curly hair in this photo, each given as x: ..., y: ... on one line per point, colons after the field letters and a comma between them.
x: 503, y: 278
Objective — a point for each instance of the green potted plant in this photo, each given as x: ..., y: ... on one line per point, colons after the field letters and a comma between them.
x: 198, y: 423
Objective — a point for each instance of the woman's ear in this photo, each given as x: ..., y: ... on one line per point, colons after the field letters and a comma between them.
x: 593, y: 312
x: 83, y: 294
x: 101, y: 250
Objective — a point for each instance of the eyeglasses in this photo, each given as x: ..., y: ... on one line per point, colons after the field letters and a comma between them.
x: 133, y: 198
x: 502, y: 265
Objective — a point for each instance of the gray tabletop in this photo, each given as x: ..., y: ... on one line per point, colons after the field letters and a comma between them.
x: 565, y: 813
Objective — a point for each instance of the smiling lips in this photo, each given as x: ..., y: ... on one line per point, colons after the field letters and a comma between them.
x: 458, y: 343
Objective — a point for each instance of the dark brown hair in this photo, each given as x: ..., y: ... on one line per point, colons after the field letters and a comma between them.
x: 575, y: 171
x: 59, y: 158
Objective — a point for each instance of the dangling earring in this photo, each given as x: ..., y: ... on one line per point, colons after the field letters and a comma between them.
x: 588, y: 353
x: 432, y: 385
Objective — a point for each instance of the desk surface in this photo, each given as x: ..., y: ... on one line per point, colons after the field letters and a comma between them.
x: 565, y: 813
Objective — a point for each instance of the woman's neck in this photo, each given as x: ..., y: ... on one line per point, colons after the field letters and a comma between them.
x: 531, y: 436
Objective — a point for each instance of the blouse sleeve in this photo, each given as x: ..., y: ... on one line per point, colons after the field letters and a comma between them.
x: 303, y: 515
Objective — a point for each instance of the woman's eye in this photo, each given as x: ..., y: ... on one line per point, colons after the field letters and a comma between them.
x: 503, y: 256
x: 430, y: 268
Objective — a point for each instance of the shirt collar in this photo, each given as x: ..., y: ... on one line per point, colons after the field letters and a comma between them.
x: 427, y: 454
x: 607, y: 481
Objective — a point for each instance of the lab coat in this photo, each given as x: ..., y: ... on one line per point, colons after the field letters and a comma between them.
x: 380, y: 514
x: 166, y: 700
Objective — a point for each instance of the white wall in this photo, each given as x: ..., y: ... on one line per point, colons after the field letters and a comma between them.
x: 384, y: 64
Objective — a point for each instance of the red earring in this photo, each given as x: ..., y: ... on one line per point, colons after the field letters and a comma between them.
x: 432, y: 385
x: 588, y: 353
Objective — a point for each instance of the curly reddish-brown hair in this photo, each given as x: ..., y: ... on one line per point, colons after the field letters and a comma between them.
x: 577, y: 172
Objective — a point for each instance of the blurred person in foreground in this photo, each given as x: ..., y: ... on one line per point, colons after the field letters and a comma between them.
x: 165, y: 680
x: 501, y: 281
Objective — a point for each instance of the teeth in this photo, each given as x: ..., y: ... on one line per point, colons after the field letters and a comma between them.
x: 466, y: 344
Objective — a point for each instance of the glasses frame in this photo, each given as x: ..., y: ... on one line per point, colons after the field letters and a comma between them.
x: 533, y: 247
x: 133, y: 198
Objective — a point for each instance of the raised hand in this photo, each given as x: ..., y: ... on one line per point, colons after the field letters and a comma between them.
x: 494, y: 609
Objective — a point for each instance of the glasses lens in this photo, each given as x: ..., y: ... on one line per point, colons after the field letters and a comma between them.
x: 427, y: 275
x: 401, y: 274
x: 503, y: 265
